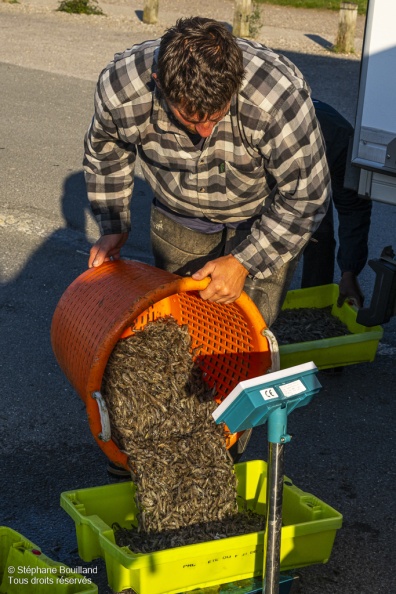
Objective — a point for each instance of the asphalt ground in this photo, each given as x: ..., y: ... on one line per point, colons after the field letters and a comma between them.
x: 342, y: 449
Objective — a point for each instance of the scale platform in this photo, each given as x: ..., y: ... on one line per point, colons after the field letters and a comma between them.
x: 287, y: 585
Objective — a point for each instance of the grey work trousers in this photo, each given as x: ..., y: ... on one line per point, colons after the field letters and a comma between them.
x: 184, y: 251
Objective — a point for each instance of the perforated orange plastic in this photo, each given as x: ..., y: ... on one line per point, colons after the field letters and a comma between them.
x: 106, y: 304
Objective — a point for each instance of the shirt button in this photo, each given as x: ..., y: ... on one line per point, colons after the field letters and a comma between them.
x: 202, y: 189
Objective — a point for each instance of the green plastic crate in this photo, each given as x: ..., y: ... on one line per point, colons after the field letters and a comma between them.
x: 358, y: 347
x: 308, y: 532
x: 24, y: 568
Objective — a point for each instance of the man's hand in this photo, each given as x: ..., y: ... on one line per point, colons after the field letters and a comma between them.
x: 350, y: 290
x: 107, y: 246
x: 228, y: 279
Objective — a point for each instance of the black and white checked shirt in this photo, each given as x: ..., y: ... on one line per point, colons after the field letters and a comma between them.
x: 266, y: 157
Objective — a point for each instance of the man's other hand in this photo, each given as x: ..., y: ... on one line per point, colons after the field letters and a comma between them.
x: 228, y: 279
x: 107, y: 246
x: 350, y: 290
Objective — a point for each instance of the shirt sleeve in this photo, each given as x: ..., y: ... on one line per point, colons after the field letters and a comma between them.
x: 109, y: 165
x: 293, y: 149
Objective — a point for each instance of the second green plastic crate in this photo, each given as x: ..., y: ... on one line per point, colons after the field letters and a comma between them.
x: 358, y: 347
x: 25, y: 569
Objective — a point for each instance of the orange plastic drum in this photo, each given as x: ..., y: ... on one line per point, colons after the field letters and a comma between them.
x: 106, y: 304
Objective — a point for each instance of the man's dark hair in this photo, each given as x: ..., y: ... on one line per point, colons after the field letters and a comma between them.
x: 200, y: 66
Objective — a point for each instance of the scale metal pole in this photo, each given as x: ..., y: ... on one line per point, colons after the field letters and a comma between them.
x: 274, y: 519
x: 277, y: 437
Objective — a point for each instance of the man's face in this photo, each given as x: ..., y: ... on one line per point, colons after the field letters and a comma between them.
x: 195, y: 125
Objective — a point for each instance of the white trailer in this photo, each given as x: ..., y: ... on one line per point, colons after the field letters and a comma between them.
x: 374, y: 145
x: 374, y: 148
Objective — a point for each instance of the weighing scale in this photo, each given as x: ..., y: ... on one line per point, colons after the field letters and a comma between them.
x: 268, y: 398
